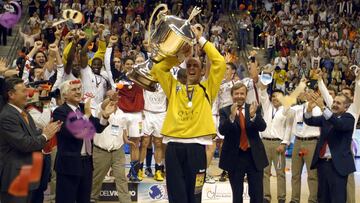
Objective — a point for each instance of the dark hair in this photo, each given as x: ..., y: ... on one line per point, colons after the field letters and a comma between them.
x: 10, y: 84
x: 232, y: 65
x: 277, y: 91
x: 332, y: 89
x: 350, y: 89
x: 348, y: 101
x: 181, y: 74
x: 96, y: 58
x: 237, y: 86
x: 40, y: 52
x: 127, y: 58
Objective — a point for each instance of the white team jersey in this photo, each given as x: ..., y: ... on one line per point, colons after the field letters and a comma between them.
x: 224, y: 94
x: 251, y: 93
x: 215, y: 106
x: 93, y: 85
x: 155, y: 101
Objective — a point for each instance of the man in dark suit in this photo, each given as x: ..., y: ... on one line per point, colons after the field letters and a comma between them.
x: 73, y: 162
x: 18, y: 138
x: 243, y: 151
x: 332, y: 158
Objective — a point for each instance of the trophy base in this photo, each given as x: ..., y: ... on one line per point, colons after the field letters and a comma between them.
x: 146, y: 81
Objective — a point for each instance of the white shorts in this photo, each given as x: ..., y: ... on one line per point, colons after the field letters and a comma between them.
x: 217, y: 123
x: 133, y: 123
x: 153, y: 123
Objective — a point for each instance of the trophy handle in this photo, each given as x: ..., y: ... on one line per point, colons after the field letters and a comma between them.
x: 158, y: 17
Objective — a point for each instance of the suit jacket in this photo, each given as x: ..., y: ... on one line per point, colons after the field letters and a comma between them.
x: 232, y: 131
x: 18, y: 141
x: 338, y: 132
x: 68, y: 157
x: 2, y: 92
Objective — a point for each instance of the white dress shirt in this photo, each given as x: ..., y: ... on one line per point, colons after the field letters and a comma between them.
x: 275, y: 120
x: 41, y: 119
x: 300, y: 129
x: 112, y: 136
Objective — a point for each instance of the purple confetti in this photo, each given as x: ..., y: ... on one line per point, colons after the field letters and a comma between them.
x: 79, y: 126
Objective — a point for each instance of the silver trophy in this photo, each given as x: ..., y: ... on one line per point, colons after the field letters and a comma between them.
x: 171, y: 34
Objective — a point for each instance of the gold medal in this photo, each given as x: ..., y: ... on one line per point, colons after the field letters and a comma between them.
x: 190, y: 104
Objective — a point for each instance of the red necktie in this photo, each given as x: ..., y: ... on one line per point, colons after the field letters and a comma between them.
x: 243, y: 136
x: 25, y: 117
x: 323, y: 149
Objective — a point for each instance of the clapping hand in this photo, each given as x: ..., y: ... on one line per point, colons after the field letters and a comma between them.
x: 233, y: 112
x: 311, y: 104
x: 51, y: 129
x: 253, y: 109
x: 87, y: 108
x: 109, y: 109
x: 319, y: 101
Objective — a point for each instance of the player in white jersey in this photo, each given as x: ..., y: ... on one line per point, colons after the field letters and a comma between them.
x: 154, y: 115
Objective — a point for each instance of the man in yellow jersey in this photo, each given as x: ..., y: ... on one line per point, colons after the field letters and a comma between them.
x: 188, y: 124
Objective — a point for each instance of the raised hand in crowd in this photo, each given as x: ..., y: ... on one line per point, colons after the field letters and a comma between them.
x: 109, y: 109
x: 113, y: 40
x: 87, y: 108
x: 3, y: 67
x: 5, y: 71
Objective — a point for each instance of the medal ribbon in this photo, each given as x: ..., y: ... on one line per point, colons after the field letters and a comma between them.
x: 189, y: 94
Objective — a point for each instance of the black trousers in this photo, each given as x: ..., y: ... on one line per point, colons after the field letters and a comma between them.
x: 185, y: 172
x: 245, y: 165
x: 38, y: 194
x: 332, y: 186
x: 71, y: 188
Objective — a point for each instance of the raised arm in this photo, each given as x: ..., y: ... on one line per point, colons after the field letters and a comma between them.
x: 217, y: 67
x: 107, y: 64
x: 324, y: 92
x: 29, y: 59
x: 161, y: 72
x: 356, y: 102
x: 107, y: 59
x: 83, y: 53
